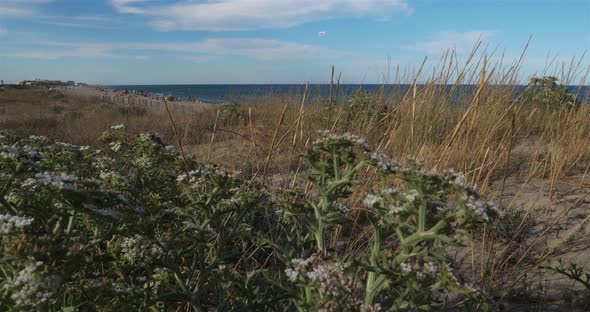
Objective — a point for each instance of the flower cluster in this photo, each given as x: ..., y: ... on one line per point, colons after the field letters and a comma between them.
x: 334, y: 288
x: 60, y: 181
x: 372, y: 200
x: 480, y: 207
x: 139, y: 249
x: 420, y: 271
x: 383, y: 162
x: 328, y: 137
x: 30, y: 288
x: 10, y: 223
x: 196, y: 178
x: 9, y: 152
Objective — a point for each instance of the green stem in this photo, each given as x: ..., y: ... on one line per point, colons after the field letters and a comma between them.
x: 422, y: 216
x: 370, y: 291
x: 336, y: 162
x: 319, y: 234
x: 308, y: 296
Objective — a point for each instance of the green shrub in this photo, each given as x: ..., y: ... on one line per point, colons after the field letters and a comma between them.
x: 362, y: 107
x: 546, y: 93
x: 134, y: 226
x: 230, y: 113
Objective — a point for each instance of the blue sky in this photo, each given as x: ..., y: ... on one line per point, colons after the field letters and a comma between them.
x: 275, y: 41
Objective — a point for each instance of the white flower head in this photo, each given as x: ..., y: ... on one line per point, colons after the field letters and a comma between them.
x: 411, y: 195
x: 30, y: 288
x: 396, y: 209
x: 340, y: 207
x: 406, y: 267
x: 371, y: 200
x: 10, y: 223
x: 115, y: 146
x: 61, y: 181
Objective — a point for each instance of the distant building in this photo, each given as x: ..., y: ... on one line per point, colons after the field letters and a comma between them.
x: 48, y: 83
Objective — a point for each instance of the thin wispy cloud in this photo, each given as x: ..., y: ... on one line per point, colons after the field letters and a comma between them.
x: 256, y: 48
x: 18, y: 8
x: 82, y: 21
x: 442, y: 41
x: 240, y: 15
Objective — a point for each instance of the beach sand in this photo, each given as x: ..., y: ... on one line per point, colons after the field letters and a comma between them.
x: 132, y: 99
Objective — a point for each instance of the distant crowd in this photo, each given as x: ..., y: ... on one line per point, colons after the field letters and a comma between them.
x: 145, y: 94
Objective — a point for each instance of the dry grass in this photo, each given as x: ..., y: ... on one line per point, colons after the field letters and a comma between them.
x: 503, y: 144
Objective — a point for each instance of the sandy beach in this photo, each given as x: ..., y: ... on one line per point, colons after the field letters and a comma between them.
x: 153, y: 102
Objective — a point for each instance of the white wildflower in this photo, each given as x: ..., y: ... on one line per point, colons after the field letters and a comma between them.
x: 61, y: 181
x: 327, y: 136
x: 292, y: 275
x: 300, y: 267
x: 115, y: 146
x: 395, y: 209
x: 371, y: 200
x: 390, y: 191
x: 383, y: 161
x: 477, y: 206
x: 411, y: 195
x: 29, y: 183
x: 301, y: 263
x: 10, y: 223
x: 340, y: 207
x: 138, y: 249
x: 406, y: 267
x: 143, y: 161
x: 420, y: 275
x: 38, y: 138
x: 118, y: 127
x: 30, y: 288
x: 12, y: 197
x: 431, y: 267
x: 181, y: 177
x: 10, y: 152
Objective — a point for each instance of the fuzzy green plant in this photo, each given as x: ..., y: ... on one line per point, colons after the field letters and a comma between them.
x: 132, y: 225
x: 406, y: 265
x: 128, y: 226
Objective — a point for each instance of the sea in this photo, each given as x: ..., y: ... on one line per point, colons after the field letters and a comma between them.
x: 220, y: 93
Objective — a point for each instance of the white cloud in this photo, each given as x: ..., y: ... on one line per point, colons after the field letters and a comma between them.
x: 258, y: 48
x: 20, y: 7
x: 225, y: 15
x: 442, y: 41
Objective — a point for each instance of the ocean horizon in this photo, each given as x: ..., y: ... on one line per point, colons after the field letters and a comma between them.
x: 219, y: 93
